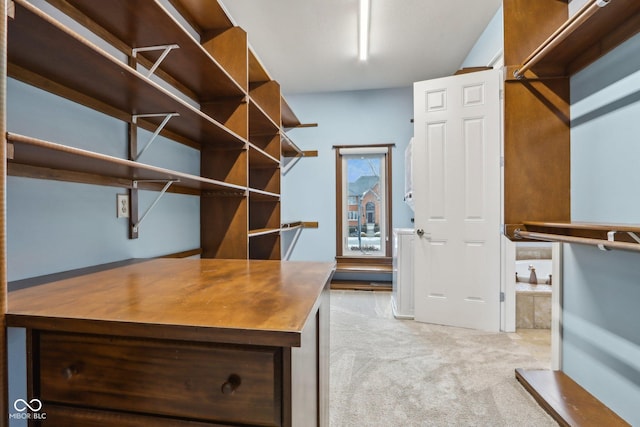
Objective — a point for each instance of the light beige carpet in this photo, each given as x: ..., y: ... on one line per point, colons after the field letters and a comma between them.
x: 389, y: 372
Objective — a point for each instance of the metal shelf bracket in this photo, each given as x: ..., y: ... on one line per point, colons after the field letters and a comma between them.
x: 167, y: 117
x: 611, y: 236
x: 168, y: 183
x: 165, y: 48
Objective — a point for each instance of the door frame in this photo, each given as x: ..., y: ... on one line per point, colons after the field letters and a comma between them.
x: 508, y: 257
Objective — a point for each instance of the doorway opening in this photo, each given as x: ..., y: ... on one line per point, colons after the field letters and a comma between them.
x: 534, y: 288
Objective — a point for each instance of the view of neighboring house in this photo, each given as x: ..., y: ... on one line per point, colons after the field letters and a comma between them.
x: 364, y: 206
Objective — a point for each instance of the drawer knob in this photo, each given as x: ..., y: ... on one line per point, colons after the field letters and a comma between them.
x: 232, y: 383
x: 71, y: 371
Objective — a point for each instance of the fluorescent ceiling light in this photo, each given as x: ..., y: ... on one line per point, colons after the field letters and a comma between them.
x: 363, y: 39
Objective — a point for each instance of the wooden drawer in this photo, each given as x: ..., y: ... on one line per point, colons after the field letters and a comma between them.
x: 190, y: 380
x: 70, y: 416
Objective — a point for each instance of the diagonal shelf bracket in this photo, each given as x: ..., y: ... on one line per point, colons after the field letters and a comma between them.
x: 135, y: 226
x: 165, y: 48
x: 167, y: 117
x: 611, y: 236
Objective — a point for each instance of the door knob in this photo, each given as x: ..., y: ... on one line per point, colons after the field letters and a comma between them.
x: 420, y: 232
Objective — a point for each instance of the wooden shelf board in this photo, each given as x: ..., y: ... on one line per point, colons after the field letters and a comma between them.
x: 267, y: 96
x: 142, y: 23
x: 592, y: 39
x: 45, y: 47
x: 288, y: 147
x: 203, y: 15
x: 291, y: 225
x: 289, y: 118
x: 566, y: 401
x: 604, y: 236
x: 261, y: 159
x: 266, y: 117
x: 257, y: 72
x: 262, y: 196
x: 37, y: 152
x: 259, y: 121
x: 298, y: 224
x: 263, y: 231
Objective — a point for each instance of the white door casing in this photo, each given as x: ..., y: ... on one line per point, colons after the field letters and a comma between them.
x: 457, y: 198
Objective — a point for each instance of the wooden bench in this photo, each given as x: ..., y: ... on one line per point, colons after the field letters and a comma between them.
x: 566, y: 401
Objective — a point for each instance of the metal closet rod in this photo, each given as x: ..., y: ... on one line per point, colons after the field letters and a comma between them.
x: 560, y: 35
x: 601, y: 244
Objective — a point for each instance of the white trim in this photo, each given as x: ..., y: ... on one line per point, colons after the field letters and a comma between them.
x: 497, y: 60
x: 508, y: 286
x: 363, y: 150
x: 556, y: 306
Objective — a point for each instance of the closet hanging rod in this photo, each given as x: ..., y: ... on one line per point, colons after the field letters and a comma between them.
x: 601, y: 244
x: 560, y: 35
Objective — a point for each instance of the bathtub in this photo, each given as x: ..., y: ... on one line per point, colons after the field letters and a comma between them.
x: 533, y: 301
x: 543, y: 270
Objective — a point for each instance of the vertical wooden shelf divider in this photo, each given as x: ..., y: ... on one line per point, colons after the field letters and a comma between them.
x: 264, y: 162
x: 537, y: 124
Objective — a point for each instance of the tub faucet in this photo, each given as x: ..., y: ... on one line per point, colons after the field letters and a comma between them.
x: 533, y: 278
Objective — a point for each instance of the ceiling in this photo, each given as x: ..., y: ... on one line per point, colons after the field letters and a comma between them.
x: 311, y: 45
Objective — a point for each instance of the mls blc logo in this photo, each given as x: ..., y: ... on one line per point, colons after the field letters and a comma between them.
x: 34, y: 406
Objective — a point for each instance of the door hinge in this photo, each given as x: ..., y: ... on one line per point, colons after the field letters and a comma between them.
x: 501, y: 296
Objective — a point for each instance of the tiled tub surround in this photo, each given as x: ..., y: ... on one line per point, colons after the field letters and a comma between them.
x: 533, y: 301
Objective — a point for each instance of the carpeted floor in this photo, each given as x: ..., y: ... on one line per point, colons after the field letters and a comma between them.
x: 389, y: 372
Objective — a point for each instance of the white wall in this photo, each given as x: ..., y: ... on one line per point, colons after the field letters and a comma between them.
x: 344, y: 118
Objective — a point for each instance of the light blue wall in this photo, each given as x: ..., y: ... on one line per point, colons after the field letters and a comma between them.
x: 55, y: 226
x: 601, y: 345
x: 489, y: 45
x: 344, y: 118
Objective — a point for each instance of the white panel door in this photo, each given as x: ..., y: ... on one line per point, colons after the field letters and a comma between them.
x: 457, y: 196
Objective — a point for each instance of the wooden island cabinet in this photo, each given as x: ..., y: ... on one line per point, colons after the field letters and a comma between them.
x: 180, y: 342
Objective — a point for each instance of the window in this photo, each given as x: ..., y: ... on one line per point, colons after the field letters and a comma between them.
x: 363, y: 199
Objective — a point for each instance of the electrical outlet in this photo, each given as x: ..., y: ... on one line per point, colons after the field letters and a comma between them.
x: 122, y: 205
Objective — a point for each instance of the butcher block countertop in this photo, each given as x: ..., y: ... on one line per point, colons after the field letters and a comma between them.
x: 226, y: 301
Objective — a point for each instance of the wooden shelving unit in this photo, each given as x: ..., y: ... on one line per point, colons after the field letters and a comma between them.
x: 593, y: 31
x: 219, y: 99
x: 43, y: 52
x: 543, y: 48
x: 291, y: 153
x: 199, y: 85
x: 550, y: 47
x: 566, y: 401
